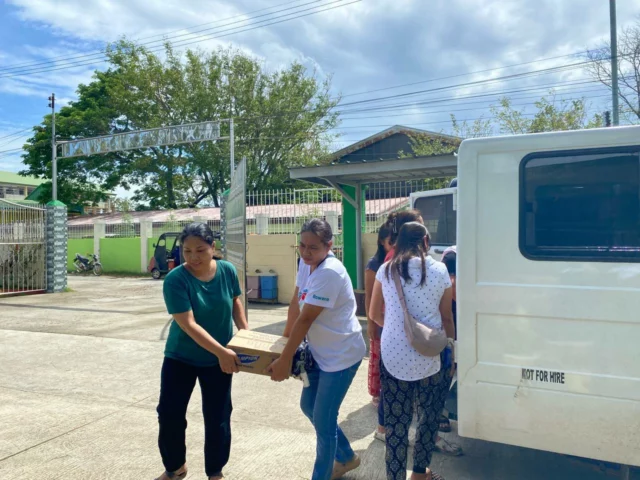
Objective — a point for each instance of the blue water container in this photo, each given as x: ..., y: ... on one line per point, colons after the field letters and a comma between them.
x: 269, y: 287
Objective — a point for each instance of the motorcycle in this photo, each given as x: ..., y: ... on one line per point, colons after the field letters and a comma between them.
x: 84, y: 264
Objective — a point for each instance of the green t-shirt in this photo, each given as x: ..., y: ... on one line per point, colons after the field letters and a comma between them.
x: 212, y: 305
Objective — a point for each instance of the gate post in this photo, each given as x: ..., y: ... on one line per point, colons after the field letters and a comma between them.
x: 99, y: 231
x: 56, y: 245
x: 146, y: 232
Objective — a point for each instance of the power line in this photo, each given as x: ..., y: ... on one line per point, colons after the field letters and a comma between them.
x: 253, y: 26
x: 430, y: 101
x: 441, y: 100
x: 466, y: 74
x: 459, y: 110
x: 54, y: 60
x: 471, y: 84
x: 16, y: 133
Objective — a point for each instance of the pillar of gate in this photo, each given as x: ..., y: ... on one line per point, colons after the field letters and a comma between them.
x: 99, y: 232
x: 262, y: 223
x: 56, y: 247
x: 146, y: 232
x: 332, y: 219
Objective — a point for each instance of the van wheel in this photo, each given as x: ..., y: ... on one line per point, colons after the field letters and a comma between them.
x: 155, y: 273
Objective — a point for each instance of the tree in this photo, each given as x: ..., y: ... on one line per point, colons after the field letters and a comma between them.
x: 282, y: 119
x: 628, y: 69
x: 551, y: 115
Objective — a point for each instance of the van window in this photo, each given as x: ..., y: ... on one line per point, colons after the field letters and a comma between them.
x: 581, y: 205
x: 439, y: 217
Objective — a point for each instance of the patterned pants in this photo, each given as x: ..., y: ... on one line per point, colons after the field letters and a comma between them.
x: 400, y: 397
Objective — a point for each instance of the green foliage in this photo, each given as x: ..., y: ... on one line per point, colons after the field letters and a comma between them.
x: 282, y: 120
x: 551, y: 116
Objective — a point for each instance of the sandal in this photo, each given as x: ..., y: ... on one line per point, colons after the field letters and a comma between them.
x: 174, y: 475
x: 445, y: 424
x: 448, y: 448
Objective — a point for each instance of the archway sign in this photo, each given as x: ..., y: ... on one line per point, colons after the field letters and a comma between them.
x: 176, y: 135
x: 140, y: 139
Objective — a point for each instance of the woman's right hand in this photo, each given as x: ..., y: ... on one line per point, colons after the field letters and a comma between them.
x: 229, y: 361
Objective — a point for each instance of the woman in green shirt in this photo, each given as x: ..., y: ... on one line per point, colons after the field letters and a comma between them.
x: 203, y: 295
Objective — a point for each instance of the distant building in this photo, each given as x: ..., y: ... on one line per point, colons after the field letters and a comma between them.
x: 16, y: 187
x: 104, y: 207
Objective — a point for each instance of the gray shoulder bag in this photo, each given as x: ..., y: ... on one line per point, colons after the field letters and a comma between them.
x: 427, y: 341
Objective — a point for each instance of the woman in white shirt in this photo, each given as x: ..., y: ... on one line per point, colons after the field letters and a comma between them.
x: 323, y: 310
x: 409, y: 378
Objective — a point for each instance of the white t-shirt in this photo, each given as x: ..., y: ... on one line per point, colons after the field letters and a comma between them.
x: 423, y: 302
x: 335, y: 337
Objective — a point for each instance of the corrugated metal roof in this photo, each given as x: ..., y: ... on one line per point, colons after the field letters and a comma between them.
x: 377, y: 137
x: 374, y: 207
x: 15, y: 179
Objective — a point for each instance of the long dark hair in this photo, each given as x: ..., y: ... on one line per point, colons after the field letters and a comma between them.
x: 396, y: 220
x: 410, y: 244
x: 383, y: 234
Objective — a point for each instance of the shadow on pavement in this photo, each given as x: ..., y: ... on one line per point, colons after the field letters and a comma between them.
x: 71, y: 309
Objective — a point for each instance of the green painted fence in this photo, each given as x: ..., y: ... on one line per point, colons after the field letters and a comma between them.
x: 120, y: 254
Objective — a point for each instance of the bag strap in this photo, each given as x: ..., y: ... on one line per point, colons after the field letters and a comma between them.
x: 396, y: 279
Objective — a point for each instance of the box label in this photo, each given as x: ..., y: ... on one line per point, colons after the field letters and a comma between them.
x: 248, y: 359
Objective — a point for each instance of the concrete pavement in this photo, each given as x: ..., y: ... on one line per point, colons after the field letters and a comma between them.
x: 79, y: 381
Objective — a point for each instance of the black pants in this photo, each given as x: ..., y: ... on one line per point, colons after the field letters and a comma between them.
x: 400, y: 398
x: 177, y: 383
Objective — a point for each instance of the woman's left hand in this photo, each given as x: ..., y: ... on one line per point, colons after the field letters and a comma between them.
x: 280, y: 369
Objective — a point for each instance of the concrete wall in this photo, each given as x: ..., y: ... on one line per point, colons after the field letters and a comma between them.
x: 277, y: 253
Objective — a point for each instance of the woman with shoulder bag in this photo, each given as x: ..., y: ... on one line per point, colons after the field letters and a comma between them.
x: 417, y: 348
x: 323, y: 310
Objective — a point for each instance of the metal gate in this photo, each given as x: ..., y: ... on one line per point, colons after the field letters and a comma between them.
x: 236, y: 224
x: 22, y: 248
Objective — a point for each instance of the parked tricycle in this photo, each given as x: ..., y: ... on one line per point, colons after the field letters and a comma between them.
x: 166, y: 255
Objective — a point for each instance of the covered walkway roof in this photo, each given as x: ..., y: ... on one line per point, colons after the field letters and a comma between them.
x: 364, y: 172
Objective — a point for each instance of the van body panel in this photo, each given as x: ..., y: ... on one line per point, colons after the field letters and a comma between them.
x: 548, y: 350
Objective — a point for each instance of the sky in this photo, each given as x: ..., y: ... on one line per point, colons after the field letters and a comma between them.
x: 371, y: 49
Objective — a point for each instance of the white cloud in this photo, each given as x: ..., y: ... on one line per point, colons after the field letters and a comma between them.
x: 368, y: 45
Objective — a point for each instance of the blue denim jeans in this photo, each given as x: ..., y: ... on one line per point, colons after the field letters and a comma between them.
x: 320, y: 402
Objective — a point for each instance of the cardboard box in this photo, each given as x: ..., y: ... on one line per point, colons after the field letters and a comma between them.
x: 256, y: 350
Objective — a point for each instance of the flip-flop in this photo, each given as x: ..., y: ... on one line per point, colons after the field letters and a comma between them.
x: 448, y: 448
x: 445, y: 424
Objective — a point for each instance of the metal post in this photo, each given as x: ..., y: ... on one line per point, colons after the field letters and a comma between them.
x: 625, y: 472
x: 614, y: 62
x: 231, y: 148
x: 54, y: 160
x: 359, y: 279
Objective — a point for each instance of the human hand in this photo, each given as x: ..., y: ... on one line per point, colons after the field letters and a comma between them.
x: 280, y: 369
x: 229, y: 361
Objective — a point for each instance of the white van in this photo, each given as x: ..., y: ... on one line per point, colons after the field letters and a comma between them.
x: 549, y: 292
x: 439, y: 212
